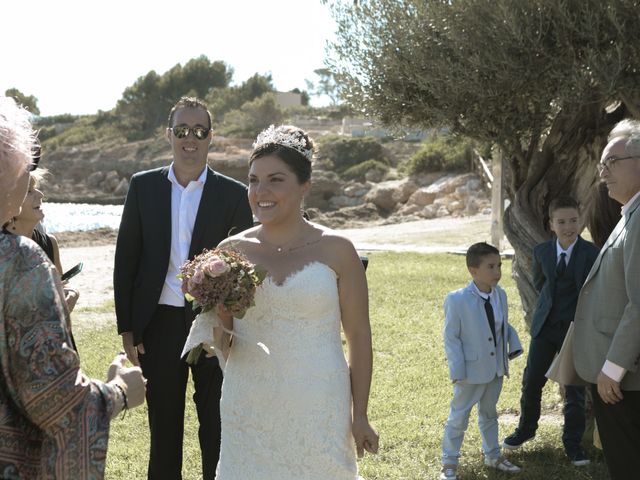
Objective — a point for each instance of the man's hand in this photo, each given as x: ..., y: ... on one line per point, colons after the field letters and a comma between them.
x: 609, y: 389
x: 130, y: 349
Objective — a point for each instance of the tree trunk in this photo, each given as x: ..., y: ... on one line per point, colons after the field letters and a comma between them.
x: 565, y: 165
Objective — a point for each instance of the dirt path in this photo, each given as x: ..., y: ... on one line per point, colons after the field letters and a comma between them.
x: 96, y: 280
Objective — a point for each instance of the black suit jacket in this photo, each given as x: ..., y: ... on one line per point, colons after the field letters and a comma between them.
x: 545, y: 258
x: 144, y: 239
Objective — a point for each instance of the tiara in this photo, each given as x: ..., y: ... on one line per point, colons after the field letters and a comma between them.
x: 281, y: 136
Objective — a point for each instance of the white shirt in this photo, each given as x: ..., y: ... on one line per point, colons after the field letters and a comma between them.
x: 497, y: 309
x: 184, y: 208
x: 610, y: 369
x: 567, y: 252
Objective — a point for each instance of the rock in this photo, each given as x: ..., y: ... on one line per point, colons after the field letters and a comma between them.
x: 122, y: 188
x: 472, y: 207
x: 95, y: 179
x: 442, y: 212
x: 429, y: 211
x: 374, y: 175
x: 404, y: 189
x: 448, y: 184
x: 325, y: 185
x: 361, y: 215
x: 474, y: 184
x: 421, y: 197
x: 356, y: 190
x: 341, y: 201
x: 111, y: 181
x: 382, y: 195
x: 455, y: 206
x: 409, y: 209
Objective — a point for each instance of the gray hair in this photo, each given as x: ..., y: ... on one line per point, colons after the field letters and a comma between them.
x: 17, y: 142
x: 630, y: 130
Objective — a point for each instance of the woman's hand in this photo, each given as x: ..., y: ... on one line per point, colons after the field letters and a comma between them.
x: 71, y: 296
x: 129, y: 378
x: 365, y: 436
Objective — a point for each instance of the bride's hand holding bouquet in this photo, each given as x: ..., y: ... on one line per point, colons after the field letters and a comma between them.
x: 222, y: 283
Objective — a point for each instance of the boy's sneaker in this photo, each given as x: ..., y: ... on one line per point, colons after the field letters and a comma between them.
x: 579, y: 459
x: 448, y: 472
x: 502, y: 464
x: 516, y: 439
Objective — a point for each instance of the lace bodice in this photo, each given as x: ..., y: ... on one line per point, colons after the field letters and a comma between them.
x: 286, y: 408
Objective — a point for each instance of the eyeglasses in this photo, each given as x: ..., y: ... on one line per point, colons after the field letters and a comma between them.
x: 609, y: 162
x: 35, y: 158
x: 181, y: 131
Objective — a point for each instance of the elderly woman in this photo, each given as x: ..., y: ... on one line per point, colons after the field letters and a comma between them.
x: 54, y: 420
x: 25, y: 224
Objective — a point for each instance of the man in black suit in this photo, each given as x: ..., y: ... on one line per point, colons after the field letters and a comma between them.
x: 560, y: 267
x: 170, y: 215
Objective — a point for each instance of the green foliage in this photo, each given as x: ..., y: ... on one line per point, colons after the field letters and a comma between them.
x: 440, y: 152
x: 410, y: 390
x: 146, y: 104
x: 27, y: 101
x: 252, y: 117
x: 86, y: 129
x: 223, y: 100
x: 326, y: 85
x: 359, y: 171
x: 345, y: 152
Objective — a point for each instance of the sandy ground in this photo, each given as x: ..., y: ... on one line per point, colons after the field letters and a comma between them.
x: 96, y: 250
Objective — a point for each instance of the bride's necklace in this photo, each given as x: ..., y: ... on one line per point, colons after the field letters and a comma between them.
x: 291, y: 245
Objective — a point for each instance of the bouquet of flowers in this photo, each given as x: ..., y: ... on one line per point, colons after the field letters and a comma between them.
x: 217, y: 277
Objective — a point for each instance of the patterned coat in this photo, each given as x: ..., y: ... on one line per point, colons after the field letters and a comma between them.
x: 54, y: 421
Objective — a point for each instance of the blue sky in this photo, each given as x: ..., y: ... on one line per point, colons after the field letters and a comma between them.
x: 78, y: 56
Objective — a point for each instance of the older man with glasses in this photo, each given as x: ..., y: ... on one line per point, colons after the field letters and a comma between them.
x: 607, y: 321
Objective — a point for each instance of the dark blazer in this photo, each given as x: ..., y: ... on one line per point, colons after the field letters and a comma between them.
x: 545, y: 258
x: 144, y: 239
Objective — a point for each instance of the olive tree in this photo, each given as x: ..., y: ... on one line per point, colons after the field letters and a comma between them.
x: 544, y: 80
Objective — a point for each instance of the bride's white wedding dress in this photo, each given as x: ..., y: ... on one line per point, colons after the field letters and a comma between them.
x: 286, y: 409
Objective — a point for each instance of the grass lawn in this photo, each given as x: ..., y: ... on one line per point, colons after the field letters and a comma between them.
x: 410, y: 391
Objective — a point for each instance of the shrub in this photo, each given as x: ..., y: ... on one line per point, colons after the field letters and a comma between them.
x: 358, y: 172
x: 253, y: 117
x: 345, y: 152
x: 441, y: 152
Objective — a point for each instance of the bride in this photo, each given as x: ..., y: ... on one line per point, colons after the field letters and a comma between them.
x: 295, y: 409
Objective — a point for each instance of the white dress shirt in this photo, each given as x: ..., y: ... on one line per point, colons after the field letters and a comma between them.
x: 567, y: 252
x: 184, y: 208
x: 497, y: 309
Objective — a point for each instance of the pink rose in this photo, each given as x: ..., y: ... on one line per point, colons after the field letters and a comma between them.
x: 215, y: 267
x: 196, y: 279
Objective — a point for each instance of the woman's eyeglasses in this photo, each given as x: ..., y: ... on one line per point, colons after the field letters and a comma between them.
x: 181, y: 131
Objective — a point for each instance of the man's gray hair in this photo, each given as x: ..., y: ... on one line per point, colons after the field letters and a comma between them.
x: 630, y: 130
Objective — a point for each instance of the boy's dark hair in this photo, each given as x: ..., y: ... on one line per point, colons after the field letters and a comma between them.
x: 562, y: 202
x: 478, y: 251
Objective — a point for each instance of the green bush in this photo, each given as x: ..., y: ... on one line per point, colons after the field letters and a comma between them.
x: 359, y: 171
x: 252, y: 118
x: 346, y: 152
x: 441, y: 152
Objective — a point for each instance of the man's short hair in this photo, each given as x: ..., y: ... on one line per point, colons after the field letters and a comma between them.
x: 188, y: 102
x: 478, y: 251
x: 563, y: 202
x: 629, y: 129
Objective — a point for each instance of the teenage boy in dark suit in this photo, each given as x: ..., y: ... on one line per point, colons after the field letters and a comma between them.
x: 560, y: 267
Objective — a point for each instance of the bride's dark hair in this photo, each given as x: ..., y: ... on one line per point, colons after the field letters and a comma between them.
x: 299, y: 164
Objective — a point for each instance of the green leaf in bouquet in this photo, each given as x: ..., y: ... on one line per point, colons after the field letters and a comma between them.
x: 194, y: 355
x: 260, y: 272
x: 189, y: 297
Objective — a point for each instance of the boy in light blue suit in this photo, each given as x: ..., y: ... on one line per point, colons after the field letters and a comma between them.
x: 478, y: 342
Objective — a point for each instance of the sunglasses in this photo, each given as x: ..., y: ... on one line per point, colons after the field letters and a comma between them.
x: 181, y: 131
x: 35, y: 158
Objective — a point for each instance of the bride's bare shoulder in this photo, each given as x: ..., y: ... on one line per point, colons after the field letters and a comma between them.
x: 240, y: 241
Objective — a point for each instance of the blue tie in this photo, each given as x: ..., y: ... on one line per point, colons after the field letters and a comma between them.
x: 562, y: 265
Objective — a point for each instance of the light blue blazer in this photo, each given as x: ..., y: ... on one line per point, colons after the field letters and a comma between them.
x: 468, y: 341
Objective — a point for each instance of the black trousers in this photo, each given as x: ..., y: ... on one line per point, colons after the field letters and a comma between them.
x: 541, y: 353
x: 167, y: 376
x: 619, y: 428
